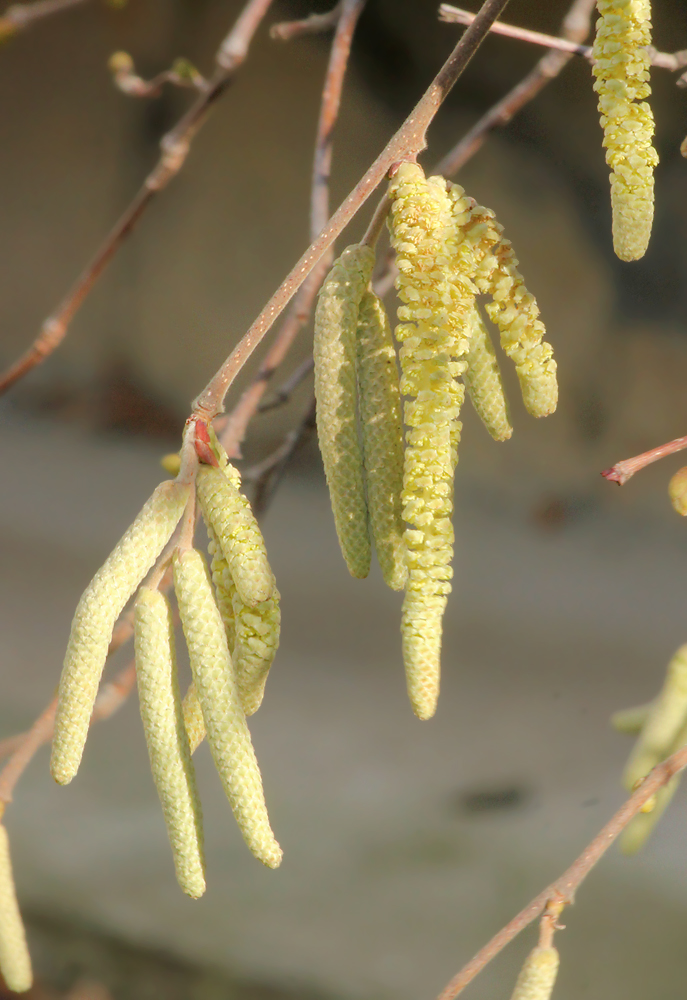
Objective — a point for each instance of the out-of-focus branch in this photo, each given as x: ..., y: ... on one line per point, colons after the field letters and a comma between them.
x: 174, y: 147
x: 182, y: 74
x: 622, y: 471
x: 562, y: 891
x: 268, y: 474
x: 22, y: 15
x: 315, y: 24
x: 283, y: 393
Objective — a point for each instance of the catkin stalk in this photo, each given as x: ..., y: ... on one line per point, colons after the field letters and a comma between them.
x: 334, y: 352
x: 168, y: 744
x: 621, y: 67
x: 225, y: 722
x: 538, y: 975
x: 382, y: 436
x: 15, y: 961
x: 483, y: 382
x: 101, y: 604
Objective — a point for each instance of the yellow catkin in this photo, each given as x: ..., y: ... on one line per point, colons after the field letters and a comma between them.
x: 15, y: 961
x: 483, y: 381
x: 101, y: 604
x: 334, y: 351
x: 621, y: 67
x: 664, y: 722
x: 193, y: 718
x: 677, y: 491
x: 631, y: 721
x: 433, y: 344
x: 225, y: 723
x: 538, y: 975
x: 165, y: 733
x: 382, y: 435
x: 229, y: 514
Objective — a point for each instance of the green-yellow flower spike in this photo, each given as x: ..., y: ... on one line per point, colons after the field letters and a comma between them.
x: 225, y: 588
x: 677, y: 491
x: 229, y: 515
x: 15, y: 961
x: 665, y: 720
x: 641, y: 826
x: 382, y: 433
x: 483, y: 381
x: 538, y: 975
x: 631, y: 721
x: 193, y: 718
x: 225, y: 721
x: 621, y: 67
x: 101, y: 604
x: 168, y: 744
x: 515, y: 312
x: 334, y: 352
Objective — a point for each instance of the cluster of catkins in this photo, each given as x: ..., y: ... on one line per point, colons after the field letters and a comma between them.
x: 621, y: 67
x: 399, y: 488
x: 661, y: 728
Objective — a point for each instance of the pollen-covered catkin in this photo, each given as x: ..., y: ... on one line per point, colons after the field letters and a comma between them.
x: 15, y: 961
x: 165, y: 733
x: 382, y: 434
x: 334, y: 352
x: 665, y: 720
x: 483, y: 382
x: 677, y: 491
x: 193, y: 718
x: 101, y: 604
x: 225, y: 723
x: 538, y: 975
x: 229, y: 515
x: 621, y: 67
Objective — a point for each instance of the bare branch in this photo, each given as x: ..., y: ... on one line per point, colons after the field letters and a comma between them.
x: 622, y: 471
x: 268, y: 474
x: 283, y: 393
x: 22, y: 15
x: 182, y: 74
x: 315, y: 24
x: 174, y: 150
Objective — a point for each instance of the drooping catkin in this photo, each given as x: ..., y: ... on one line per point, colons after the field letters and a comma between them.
x: 229, y: 514
x: 677, y: 491
x: 193, y: 718
x: 641, y: 826
x: 665, y: 720
x: 631, y: 721
x: 101, y: 604
x: 165, y: 733
x: 538, y: 975
x: 15, y: 961
x: 334, y: 352
x: 621, y: 67
x: 382, y: 437
x: 483, y: 382
x: 225, y: 723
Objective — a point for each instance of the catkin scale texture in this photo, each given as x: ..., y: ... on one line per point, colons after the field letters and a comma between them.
x: 229, y: 515
x: 15, y: 962
x: 621, y: 67
x: 538, y: 975
x: 483, y: 382
x: 193, y: 718
x: 225, y: 722
x: 165, y: 733
x: 382, y: 435
x: 334, y: 353
x: 101, y: 604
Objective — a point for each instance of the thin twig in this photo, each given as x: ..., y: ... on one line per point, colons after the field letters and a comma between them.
x: 174, y: 147
x: 21, y: 15
x: 126, y: 79
x: 315, y: 24
x: 268, y: 474
x: 563, y: 890
x: 405, y: 144
x: 285, y: 390
x: 622, y: 471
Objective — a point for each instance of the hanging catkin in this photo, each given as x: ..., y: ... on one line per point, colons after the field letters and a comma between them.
x: 621, y: 67
x: 225, y: 722
x: 101, y: 604
x: 538, y: 975
x: 15, y: 961
x: 168, y: 745
x: 193, y: 718
x: 641, y: 826
x: 382, y: 435
x: 483, y: 382
x: 631, y: 721
x: 334, y: 352
x: 228, y: 513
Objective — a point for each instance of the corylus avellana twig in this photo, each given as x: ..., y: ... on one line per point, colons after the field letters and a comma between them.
x: 20, y: 16
x: 622, y: 471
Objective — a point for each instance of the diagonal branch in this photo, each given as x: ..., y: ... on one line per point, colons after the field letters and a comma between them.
x: 22, y: 15
x: 622, y: 471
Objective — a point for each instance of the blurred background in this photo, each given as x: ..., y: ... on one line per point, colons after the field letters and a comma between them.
x: 407, y: 844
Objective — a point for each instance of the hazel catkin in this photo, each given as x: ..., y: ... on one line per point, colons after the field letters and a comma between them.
x: 483, y: 381
x: 677, y: 491
x: 538, y: 975
x: 15, y: 961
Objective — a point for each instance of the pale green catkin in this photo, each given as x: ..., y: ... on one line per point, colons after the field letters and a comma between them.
x: 641, y: 826
x: 664, y: 722
x: 334, y: 352
x: 382, y: 436
x: 631, y: 721
x: 101, y: 604
x: 538, y: 975
x: 193, y: 718
x: 165, y: 733
x: 229, y: 514
x: 483, y: 382
x: 225, y: 723
x: 621, y: 67
x: 15, y: 961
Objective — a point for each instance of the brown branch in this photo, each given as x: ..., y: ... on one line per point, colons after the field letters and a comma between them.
x: 562, y: 891
x: 283, y: 393
x: 405, y: 144
x: 174, y: 150
x: 22, y: 15
x: 622, y: 471
x: 268, y: 474
x: 312, y: 25
x: 182, y: 74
